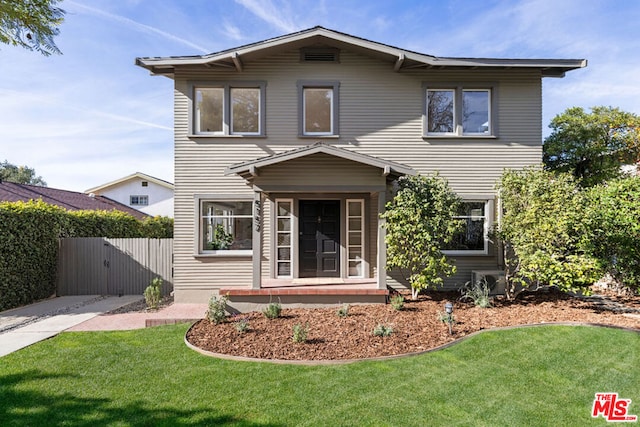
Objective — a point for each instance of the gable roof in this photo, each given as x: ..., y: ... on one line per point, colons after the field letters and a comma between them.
x: 135, y: 175
x: 70, y: 200
x: 320, y: 36
x: 250, y: 168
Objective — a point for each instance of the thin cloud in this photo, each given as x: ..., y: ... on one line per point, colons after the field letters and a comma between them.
x: 231, y: 31
x: 139, y: 27
x: 272, y: 14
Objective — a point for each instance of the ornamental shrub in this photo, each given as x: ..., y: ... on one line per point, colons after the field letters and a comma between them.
x: 613, y: 217
x: 419, y: 222
x: 29, y: 234
x: 544, y: 232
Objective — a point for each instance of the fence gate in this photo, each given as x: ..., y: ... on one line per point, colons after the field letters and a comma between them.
x: 100, y: 266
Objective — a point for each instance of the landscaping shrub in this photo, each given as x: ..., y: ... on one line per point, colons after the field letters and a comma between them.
x: 300, y: 332
x: 419, y: 222
x: 28, y: 251
x: 273, y: 310
x: 544, y: 232
x: 477, y: 292
x: 613, y: 217
x: 217, y: 312
x: 153, y: 293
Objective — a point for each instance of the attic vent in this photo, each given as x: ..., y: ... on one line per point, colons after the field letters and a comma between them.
x: 320, y: 55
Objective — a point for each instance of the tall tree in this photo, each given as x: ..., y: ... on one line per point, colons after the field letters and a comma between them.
x: 592, y: 146
x: 31, y: 24
x: 20, y: 174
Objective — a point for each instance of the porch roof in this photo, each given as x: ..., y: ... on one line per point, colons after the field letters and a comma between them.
x: 250, y: 168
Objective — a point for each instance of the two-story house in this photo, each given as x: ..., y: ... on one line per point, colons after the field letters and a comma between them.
x: 286, y: 151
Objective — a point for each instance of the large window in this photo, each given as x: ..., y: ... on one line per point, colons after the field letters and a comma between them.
x: 226, y: 225
x: 229, y: 109
x: 319, y: 108
x: 458, y: 112
x: 472, y: 239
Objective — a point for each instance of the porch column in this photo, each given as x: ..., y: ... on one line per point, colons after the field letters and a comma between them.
x: 382, y: 246
x: 257, y: 241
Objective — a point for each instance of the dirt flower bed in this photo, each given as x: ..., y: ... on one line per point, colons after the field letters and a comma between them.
x: 417, y: 327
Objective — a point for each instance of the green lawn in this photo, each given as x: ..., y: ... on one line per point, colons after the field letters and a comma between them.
x: 531, y: 376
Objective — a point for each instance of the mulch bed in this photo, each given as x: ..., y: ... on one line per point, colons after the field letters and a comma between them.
x: 417, y: 327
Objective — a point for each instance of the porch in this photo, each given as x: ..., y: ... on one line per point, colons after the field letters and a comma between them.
x: 307, y: 293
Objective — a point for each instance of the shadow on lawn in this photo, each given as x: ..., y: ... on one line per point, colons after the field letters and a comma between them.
x: 20, y: 407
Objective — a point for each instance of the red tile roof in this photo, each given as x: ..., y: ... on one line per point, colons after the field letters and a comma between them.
x: 71, y: 200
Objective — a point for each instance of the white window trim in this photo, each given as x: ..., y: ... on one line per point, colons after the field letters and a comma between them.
x: 488, y: 223
x: 139, y: 196
x: 458, y: 89
x: 198, y: 244
x: 363, y: 226
x: 293, y: 257
x: 227, y: 110
x: 335, y: 108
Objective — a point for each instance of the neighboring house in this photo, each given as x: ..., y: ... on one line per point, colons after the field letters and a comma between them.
x: 286, y: 151
x: 70, y: 200
x: 143, y: 192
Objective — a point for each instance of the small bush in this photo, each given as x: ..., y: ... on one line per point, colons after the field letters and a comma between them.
x: 242, y: 324
x: 153, y: 293
x: 343, y: 311
x: 397, y: 302
x: 382, y: 330
x: 300, y: 333
x: 217, y: 312
x: 477, y: 292
x: 273, y: 310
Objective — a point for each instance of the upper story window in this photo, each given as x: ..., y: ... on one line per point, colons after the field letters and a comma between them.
x: 139, y: 200
x: 473, y: 238
x: 459, y: 111
x: 318, y: 109
x: 229, y: 109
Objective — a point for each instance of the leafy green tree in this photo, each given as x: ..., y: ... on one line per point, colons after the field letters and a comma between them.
x: 20, y: 174
x: 419, y: 222
x: 613, y: 215
x: 31, y: 24
x: 592, y: 146
x: 543, y: 231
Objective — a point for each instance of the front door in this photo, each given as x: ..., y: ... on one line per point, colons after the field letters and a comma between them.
x: 319, y: 238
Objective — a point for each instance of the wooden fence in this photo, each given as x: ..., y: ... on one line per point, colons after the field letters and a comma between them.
x: 100, y: 266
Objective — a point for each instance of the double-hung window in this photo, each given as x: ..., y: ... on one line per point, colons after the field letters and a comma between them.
x: 229, y: 109
x: 225, y: 225
x: 472, y: 239
x: 139, y: 200
x: 459, y: 111
x: 319, y: 105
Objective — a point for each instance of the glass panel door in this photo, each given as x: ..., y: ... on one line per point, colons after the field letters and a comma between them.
x: 284, y: 218
x: 355, y: 238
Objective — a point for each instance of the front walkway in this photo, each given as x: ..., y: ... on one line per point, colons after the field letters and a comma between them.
x: 23, y: 326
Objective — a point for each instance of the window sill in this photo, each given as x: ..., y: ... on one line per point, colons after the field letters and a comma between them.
x: 225, y: 254
x: 205, y: 136
x: 459, y: 137
x: 319, y: 136
x: 465, y: 253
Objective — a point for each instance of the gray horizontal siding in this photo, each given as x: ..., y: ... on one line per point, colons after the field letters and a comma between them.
x: 380, y: 115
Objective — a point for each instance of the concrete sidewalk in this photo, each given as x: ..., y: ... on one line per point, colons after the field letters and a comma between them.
x: 23, y: 326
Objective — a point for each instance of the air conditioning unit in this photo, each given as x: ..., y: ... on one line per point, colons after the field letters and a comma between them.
x: 495, y: 280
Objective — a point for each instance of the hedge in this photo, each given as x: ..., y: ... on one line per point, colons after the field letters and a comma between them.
x: 29, y: 233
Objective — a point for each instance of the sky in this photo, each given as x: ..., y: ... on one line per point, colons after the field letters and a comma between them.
x: 90, y: 116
